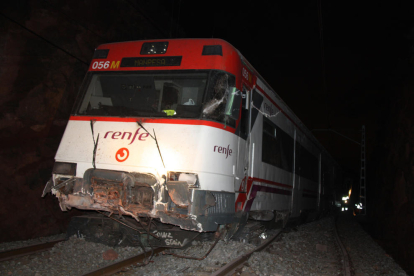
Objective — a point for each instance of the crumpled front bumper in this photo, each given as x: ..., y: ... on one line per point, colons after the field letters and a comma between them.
x: 143, y: 195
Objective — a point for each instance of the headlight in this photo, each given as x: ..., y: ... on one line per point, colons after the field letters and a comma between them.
x: 64, y: 168
x: 190, y: 178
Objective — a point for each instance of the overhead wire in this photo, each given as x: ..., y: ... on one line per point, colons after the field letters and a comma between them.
x: 146, y: 17
x: 72, y: 20
x: 44, y: 39
x: 172, y: 19
x: 178, y: 19
x: 67, y: 52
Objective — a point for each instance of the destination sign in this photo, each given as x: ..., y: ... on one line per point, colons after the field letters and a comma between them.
x: 151, y: 61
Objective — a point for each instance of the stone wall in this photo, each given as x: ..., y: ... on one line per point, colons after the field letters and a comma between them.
x: 394, y: 186
x: 45, y: 50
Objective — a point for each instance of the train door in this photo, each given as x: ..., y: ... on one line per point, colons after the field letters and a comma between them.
x: 296, y: 181
x: 242, y: 163
x: 298, y: 193
x: 255, y: 135
x: 319, y: 181
x: 325, y: 190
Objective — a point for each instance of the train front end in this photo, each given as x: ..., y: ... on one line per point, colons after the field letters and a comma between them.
x: 152, y: 134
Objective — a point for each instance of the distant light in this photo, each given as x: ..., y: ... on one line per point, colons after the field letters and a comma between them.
x: 346, y: 208
x: 346, y: 201
x: 263, y: 236
x: 343, y: 209
x: 345, y: 198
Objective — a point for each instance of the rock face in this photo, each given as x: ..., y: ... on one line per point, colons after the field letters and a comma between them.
x: 394, y: 191
x: 45, y: 50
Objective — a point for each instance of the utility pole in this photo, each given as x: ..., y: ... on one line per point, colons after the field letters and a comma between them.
x: 362, y: 190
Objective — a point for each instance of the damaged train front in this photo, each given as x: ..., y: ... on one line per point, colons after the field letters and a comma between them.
x: 130, y: 193
x: 142, y: 196
x: 123, y: 152
x: 104, y: 190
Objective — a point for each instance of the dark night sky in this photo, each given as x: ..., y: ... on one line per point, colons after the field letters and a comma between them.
x: 366, y: 53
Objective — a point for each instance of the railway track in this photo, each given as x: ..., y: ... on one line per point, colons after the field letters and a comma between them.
x: 233, y: 267
x: 236, y: 265
x: 269, y: 246
x: 106, y: 270
x: 346, y: 264
x: 27, y: 250
x: 229, y: 269
x: 121, y: 265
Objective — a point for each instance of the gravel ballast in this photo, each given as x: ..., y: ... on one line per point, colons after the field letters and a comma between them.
x: 309, y: 249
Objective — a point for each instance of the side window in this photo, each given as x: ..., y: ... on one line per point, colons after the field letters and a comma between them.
x: 257, y: 100
x: 307, y: 164
x: 277, y: 147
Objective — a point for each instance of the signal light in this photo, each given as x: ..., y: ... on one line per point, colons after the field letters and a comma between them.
x: 154, y: 48
x: 64, y: 168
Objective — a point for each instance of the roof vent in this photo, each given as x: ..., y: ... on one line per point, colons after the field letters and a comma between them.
x: 212, y: 50
x: 101, y: 53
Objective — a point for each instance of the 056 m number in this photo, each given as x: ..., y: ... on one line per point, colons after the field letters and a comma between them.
x: 100, y: 65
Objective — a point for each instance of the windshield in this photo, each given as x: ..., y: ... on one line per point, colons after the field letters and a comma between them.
x: 154, y: 95
x: 157, y: 94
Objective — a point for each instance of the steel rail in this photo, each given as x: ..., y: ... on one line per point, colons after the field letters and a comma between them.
x: 118, y: 266
x: 228, y: 268
x: 346, y: 264
x: 241, y: 259
x: 27, y: 250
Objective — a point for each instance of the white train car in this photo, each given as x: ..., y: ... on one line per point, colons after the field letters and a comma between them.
x: 185, y: 131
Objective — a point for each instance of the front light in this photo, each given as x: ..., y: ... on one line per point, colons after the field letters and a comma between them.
x: 190, y: 178
x: 64, y: 168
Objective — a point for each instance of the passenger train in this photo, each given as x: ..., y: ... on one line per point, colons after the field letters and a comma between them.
x: 186, y: 131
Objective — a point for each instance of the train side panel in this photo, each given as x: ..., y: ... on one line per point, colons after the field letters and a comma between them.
x: 288, y: 173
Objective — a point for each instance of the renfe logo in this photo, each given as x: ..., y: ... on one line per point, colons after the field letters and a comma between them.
x: 121, y: 135
x: 122, y: 154
x: 227, y: 151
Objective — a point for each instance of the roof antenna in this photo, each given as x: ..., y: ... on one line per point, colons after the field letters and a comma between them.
x: 214, y: 24
x: 172, y: 22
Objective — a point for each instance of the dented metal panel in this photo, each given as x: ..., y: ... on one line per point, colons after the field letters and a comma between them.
x: 139, y: 194
x: 179, y: 193
x: 108, y: 191
x: 224, y: 203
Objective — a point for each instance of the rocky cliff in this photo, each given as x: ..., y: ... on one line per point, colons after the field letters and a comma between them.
x: 45, y: 50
